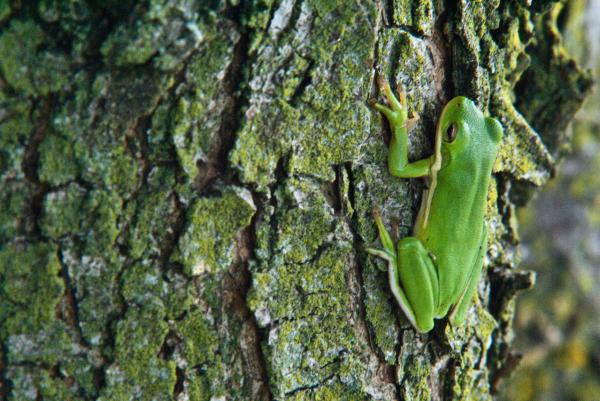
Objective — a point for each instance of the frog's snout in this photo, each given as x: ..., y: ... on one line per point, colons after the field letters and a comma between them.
x: 494, y: 129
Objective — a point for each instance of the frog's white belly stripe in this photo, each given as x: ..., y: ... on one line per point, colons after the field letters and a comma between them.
x: 433, y: 173
x: 398, y: 294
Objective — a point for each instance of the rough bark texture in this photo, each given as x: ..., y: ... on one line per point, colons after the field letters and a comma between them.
x: 557, y: 325
x: 187, y: 189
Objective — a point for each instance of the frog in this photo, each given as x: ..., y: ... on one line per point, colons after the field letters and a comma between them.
x: 434, y: 272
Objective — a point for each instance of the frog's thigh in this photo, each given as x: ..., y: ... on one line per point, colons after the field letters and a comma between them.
x: 418, y: 278
x: 457, y: 316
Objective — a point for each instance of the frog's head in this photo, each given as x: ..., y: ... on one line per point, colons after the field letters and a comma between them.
x: 462, y: 127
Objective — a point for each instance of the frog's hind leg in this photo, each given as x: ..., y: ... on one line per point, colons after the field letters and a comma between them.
x: 412, y: 277
x: 388, y: 253
x: 416, y: 283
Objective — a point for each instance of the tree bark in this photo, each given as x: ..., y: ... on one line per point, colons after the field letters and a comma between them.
x: 187, y: 191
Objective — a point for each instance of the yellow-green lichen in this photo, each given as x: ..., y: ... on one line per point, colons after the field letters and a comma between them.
x: 302, y: 296
x: 163, y: 31
x: 26, y: 63
x: 546, y: 100
x: 144, y: 285
x: 15, y: 130
x: 301, y: 229
x: 423, y: 16
x: 139, y: 372
x: 200, y: 113
x: 381, y: 312
x: 156, y: 211
x: 57, y: 164
x: 261, y: 131
x: 208, y: 242
x: 62, y: 211
x: 203, y: 353
x: 31, y: 287
x: 30, y: 384
x: 333, y: 391
x: 415, y: 16
x: 332, y: 125
x: 414, y: 369
x: 14, y: 213
x: 91, y: 259
x: 200, y: 340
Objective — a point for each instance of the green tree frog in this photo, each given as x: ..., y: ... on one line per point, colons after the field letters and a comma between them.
x: 435, y: 271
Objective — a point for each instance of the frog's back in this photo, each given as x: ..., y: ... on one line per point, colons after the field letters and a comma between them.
x: 453, y: 230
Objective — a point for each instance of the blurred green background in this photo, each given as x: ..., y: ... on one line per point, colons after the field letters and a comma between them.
x: 557, y: 325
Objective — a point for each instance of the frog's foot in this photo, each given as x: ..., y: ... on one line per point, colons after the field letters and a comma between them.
x: 396, y: 113
x: 411, y: 122
x: 388, y: 253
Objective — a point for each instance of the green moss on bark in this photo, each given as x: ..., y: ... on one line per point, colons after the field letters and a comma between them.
x: 27, y: 64
x: 208, y: 243
x: 323, y: 122
x: 31, y: 288
x: 139, y: 371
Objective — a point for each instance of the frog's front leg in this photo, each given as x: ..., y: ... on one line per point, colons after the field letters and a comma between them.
x: 412, y: 276
x: 397, y: 115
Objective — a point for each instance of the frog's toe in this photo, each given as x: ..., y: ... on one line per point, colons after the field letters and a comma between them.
x: 385, y: 255
x: 395, y: 111
x: 397, y: 105
x: 401, y: 94
x: 386, y: 111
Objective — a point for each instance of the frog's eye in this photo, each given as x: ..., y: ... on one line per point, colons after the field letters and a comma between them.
x: 450, y: 134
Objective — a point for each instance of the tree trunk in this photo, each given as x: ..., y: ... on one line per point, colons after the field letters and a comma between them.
x: 187, y: 191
